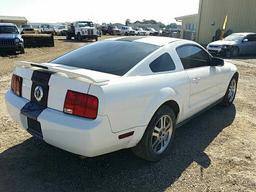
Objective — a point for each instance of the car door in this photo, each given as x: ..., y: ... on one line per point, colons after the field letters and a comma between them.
x: 206, y: 82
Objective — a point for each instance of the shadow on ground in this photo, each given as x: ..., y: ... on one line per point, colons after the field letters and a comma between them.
x: 8, y: 54
x: 35, y: 166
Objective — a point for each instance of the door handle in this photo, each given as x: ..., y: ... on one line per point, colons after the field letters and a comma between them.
x: 196, y: 80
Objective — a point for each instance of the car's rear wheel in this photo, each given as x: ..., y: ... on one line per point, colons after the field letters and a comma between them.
x: 156, y: 141
x: 231, y: 92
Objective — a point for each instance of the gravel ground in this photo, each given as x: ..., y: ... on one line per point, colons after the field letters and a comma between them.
x: 214, y: 152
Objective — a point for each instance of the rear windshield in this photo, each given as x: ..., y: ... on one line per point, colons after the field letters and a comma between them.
x: 114, y: 57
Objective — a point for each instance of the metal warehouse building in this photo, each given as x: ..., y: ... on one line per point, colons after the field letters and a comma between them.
x: 13, y: 19
x: 241, y: 17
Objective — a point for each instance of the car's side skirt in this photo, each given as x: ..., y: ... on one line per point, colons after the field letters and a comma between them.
x: 199, y: 113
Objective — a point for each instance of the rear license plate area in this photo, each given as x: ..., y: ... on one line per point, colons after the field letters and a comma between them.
x: 31, y: 111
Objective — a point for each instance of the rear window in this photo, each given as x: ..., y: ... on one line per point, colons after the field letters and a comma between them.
x: 162, y: 64
x: 113, y: 57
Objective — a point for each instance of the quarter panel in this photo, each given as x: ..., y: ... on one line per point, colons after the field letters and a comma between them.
x: 132, y: 101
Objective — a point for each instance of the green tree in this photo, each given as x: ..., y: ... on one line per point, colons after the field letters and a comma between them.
x: 127, y: 22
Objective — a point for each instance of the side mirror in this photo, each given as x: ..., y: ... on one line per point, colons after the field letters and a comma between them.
x: 245, y: 40
x: 215, y: 61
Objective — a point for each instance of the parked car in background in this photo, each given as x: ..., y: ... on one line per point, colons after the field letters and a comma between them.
x: 166, y: 32
x: 126, y: 30
x: 152, y: 31
x: 111, y: 30
x: 10, y: 39
x: 47, y: 29
x: 127, y: 92
x: 61, y: 30
x: 28, y: 29
x: 234, y: 45
x: 140, y: 32
x: 171, y: 32
x: 82, y: 30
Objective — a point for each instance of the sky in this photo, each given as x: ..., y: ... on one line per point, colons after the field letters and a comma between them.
x: 98, y: 11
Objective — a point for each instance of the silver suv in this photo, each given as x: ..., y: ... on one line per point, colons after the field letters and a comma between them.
x: 234, y: 45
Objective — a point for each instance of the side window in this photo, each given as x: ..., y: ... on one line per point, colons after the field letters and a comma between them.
x: 192, y: 56
x: 251, y: 37
x: 162, y: 63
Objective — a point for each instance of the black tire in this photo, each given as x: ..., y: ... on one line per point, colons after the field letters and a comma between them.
x: 235, y: 52
x: 68, y: 37
x: 228, y: 99
x: 78, y: 37
x: 227, y: 54
x: 96, y: 38
x: 144, y: 148
x: 22, y: 51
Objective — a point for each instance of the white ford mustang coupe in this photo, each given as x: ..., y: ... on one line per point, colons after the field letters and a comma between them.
x: 127, y: 92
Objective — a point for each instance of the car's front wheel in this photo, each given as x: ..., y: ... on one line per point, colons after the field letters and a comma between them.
x: 231, y: 92
x: 156, y: 141
x: 22, y: 51
x: 234, y: 52
x: 78, y: 37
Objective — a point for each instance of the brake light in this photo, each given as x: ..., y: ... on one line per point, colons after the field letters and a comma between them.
x: 81, y: 104
x: 16, y: 85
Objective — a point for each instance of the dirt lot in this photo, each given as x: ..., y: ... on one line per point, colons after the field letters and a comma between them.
x: 214, y: 152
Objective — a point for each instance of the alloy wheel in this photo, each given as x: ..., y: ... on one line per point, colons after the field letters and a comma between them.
x: 161, y: 135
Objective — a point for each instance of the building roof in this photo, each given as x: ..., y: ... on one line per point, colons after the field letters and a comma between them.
x: 185, y: 17
x: 13, y: 18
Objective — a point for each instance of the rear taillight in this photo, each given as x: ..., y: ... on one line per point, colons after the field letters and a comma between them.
x: 81, y: 104
x: 16, y: 85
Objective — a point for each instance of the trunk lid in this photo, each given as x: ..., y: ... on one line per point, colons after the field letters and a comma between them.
x: 47, y: 84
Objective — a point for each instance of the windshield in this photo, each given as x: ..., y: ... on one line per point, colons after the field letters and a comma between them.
x: 26, y: 26
x: 86, y: 24
x: 46, y: 26
x: 113, y: 57
x: 234, y: 37
x: 8, y: 29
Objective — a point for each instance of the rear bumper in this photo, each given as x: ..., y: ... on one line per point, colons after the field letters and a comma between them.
x: 74, y: 134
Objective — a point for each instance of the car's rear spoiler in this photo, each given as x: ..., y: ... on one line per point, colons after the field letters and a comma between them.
x: 69, y: 74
